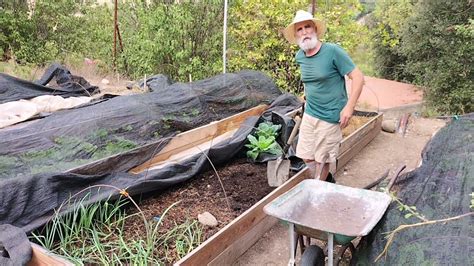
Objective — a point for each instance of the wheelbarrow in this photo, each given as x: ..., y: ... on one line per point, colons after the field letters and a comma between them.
x: 329, y: 212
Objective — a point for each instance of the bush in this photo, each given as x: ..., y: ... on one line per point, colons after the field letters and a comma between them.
x: 388, y: 20
x: 438, y: 44
x: 428, y: 43
x: 256, y: 41
x: 181, y: 40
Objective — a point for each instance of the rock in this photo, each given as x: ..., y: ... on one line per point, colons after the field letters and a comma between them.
x: 208, y: 219
x: 105, y: 81
x: 389, y: 126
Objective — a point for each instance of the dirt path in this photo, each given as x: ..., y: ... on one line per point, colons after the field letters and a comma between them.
x: 386, y: 152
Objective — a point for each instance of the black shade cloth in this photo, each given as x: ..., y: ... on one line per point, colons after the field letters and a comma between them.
x: 45, y: 161
x: 70, y: 138
x: 66, y: 85
x: 78, y: 151
x: 440, y: 188
x: 15, y: 248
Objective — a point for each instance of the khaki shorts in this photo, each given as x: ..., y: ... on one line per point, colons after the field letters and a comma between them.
x: 318, y: 140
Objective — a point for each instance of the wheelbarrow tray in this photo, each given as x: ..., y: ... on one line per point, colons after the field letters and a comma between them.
x: 331, y: 208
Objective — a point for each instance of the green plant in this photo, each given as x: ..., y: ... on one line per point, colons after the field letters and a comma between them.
x: 268, y: 129
x: 389, y: 19
x: 262, y: 145
x: 94, y: 234
x: 256, y: 42
x: 414, y: 43
x: 264, y: 140
x: 427, y: 42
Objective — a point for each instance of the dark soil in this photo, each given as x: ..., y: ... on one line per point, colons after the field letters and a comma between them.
x: 245, y: 184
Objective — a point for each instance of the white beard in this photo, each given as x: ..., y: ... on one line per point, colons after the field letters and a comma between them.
x: 307, y: 45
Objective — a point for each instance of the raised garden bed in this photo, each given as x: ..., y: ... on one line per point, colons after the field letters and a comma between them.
x: 233, y: 236
x: 234, y: 239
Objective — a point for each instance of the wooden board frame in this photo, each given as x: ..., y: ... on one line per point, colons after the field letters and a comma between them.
x: 42, y: 257
x: 227, y: 245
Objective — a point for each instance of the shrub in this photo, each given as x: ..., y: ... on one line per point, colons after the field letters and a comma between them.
x: 256, y: 41
x: 388, y: 20
x: 438, y: 44
x: 181, y: 40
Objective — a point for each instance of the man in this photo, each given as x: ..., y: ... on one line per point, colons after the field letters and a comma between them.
x: 327, y: 108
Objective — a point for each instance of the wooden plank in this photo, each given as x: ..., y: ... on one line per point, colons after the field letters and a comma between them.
x: 345, y: 157
x: 242, y: 244
x: 226, y: 237
x: 42, y: 257
x: 357, y: 135
x: 191, y: 138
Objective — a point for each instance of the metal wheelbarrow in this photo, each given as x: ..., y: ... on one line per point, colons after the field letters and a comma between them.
x: 329, y: 212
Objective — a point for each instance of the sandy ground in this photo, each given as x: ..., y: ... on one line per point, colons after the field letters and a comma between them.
x: 387, y: 151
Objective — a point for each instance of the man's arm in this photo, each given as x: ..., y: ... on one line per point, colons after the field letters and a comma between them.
x: 356, y: 88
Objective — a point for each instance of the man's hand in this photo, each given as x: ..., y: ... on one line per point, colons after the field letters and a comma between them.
x: 346, y: 115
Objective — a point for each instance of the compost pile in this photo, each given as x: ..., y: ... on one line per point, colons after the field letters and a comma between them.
x: 45, y: 161
x: 440, y: 188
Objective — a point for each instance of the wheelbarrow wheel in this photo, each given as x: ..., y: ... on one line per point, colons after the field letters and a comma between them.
x: 313, y: 255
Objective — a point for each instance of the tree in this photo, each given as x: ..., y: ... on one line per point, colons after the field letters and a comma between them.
x: 437, y: 41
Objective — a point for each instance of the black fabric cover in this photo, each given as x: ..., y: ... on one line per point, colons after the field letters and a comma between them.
x: 70, y: 138
x: 67, y: 85
x: 440, y: 188
x: 38, y: 172
x: 15, y: 248
x: 65, y: 81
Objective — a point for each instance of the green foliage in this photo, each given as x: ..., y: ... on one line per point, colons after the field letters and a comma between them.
x: 180, y: 40
x: 429, y: 43
x: 389, y: 19
x: 94, y: 234
x: 437, y: 42
x: 256, y: 42
x: 264, y: 141
x: 56, y: 31
x: 262, y: 145
x: 268, y: 129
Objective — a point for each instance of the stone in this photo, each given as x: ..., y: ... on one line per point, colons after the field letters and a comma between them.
x: 389, y: 126
x: 207, y: 219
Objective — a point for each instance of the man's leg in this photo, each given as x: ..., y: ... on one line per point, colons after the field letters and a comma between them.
x: 315, y: 168
x: 324, y: 173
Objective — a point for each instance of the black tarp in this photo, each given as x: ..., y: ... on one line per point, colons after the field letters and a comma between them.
x: 440, y: 188
x: 28, y: 198
x: 69, y: 138
x: 65, y: 84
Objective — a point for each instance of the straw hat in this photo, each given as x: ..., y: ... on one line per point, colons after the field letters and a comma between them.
x: 289, y: 31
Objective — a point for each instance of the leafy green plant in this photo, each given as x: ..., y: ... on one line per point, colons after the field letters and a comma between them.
x: 264, y: 140
x: 262, y: 145
x: 268, y: 129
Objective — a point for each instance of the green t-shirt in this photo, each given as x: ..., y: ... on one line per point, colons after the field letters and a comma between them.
x: 323, y: 78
